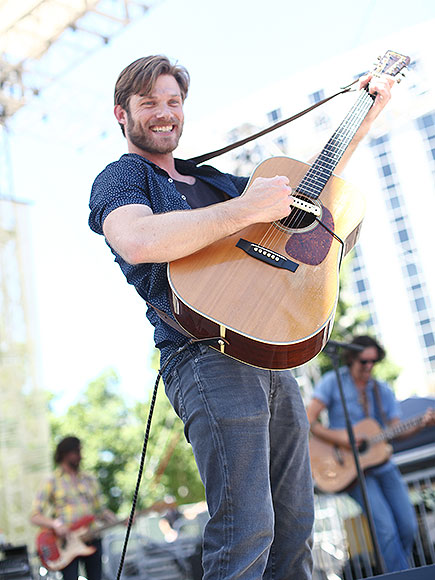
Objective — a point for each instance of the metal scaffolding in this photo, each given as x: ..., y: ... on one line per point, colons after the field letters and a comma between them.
x: 40, y: 40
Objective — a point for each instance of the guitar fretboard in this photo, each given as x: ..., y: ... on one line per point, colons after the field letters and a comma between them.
x: 393, y: 432
x: 315, y: 179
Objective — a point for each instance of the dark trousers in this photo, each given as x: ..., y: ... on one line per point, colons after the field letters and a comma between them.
x: 92, y: 566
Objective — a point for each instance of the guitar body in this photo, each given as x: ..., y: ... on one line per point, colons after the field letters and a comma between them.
x: 334, y: 467
x: 271, y: 317
x: 56, y: 553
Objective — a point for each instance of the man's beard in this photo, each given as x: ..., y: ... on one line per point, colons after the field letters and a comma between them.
x: 147, y: 143
x: 74, y: 465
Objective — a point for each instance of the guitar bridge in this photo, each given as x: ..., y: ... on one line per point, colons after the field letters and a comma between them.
x: 266, y: 255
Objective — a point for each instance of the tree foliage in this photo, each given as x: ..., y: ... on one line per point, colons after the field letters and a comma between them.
x: 112, y: 434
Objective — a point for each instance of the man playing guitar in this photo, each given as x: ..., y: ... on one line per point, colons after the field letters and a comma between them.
x: 393, y: 514
x: 247, y: 426
x: 69, y: 496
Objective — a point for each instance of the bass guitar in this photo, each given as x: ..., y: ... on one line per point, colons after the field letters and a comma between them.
x: 270, y: 291
x: 56, y: 553
x: 333, y: 467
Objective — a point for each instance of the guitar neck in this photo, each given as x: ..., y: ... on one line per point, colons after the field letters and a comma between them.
x: 93, y: 534
x: 392, y: 432
x: 315, y: 179
x: 158, y: 506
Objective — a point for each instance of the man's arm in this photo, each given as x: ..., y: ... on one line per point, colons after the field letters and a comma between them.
x: 52, y: 523
x: 333, y: 436
x: 381, y: 86
x: 140, y: 236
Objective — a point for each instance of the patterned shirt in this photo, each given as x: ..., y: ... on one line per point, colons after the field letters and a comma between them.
x: 135, y: 180
x: 327, y: 391
x: 68, y: 498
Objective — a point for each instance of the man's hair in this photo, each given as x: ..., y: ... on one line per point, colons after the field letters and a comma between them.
x: 139, y: 78
x: 64, y: 447
x: 366, y: 342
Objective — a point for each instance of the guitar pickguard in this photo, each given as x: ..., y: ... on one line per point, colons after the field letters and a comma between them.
x: 311, y: 247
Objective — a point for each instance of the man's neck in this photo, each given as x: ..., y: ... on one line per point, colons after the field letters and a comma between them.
x: 67, y: 468
x: 165, y: 161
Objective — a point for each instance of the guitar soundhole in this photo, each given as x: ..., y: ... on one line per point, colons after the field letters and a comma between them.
x: 298, y: 218
x: 363, y: 446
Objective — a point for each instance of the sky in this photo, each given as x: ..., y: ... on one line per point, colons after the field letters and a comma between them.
x: 89, y: 319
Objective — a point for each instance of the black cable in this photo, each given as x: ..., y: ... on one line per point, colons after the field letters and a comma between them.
x: 207, y: 342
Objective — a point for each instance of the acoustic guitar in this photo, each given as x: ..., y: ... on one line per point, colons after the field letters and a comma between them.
x: 56, y: 553
x: 333, y: 467
x: 270, y: 291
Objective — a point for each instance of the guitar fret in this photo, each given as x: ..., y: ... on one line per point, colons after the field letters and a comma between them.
x: 392, y: 432
x: 317, y: 176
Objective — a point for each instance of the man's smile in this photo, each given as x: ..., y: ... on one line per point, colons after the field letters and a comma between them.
x: 162, y: 128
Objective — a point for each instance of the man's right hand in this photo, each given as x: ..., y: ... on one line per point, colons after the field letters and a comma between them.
x: 269, y: 199
x: 59, y: 528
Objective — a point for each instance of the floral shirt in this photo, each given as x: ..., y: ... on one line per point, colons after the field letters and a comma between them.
x: 67, y: 498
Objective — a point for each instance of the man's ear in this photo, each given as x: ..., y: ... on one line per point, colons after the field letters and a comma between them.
x: 120, y: 114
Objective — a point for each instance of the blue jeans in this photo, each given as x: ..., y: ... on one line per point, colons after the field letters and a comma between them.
x: 249, y: 433
x: 393, y: 514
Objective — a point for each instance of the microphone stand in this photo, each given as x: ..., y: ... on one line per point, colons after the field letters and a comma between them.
x: 332, y: 350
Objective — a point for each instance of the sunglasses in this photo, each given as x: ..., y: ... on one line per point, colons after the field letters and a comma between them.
x: 367, y: 361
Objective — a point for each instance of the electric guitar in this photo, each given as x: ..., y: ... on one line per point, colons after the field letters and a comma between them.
x: 56, y: 553
x: 270, y: 291
x: 333, y: 467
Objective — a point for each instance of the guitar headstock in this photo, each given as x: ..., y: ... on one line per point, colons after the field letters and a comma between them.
x: 392, y: 63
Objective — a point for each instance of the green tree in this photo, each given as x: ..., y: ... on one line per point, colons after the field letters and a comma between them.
x: 112, y: 434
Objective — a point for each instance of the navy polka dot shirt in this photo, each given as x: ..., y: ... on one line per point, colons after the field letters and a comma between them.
x: 134, y: 180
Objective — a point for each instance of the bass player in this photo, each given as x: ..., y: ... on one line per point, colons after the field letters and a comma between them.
x: 67, y: 496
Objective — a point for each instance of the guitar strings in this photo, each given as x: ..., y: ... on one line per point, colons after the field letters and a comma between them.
x: 314, y: 181
x: 330, y: 155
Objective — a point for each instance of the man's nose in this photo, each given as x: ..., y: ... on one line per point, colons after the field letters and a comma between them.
x: 163, y: 112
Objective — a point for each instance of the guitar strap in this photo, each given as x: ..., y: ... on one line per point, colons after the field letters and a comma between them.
x: 169, y: 321
x: 378, y: 402
x: 207, y: 156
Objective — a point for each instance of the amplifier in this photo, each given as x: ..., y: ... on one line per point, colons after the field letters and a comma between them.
x: 15, y: 565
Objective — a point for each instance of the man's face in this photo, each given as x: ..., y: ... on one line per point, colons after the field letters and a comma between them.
x: 362, y: 367
x: 73, y: 458
x: 154, y: 123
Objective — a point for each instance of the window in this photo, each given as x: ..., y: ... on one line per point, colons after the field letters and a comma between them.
x: 274, y: 116
x: 429, y: 339
x: 316, y: 96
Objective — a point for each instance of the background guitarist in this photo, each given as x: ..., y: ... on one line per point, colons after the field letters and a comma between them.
x: 65, y: 497
x: 247, y: 427
x: 393, y: 514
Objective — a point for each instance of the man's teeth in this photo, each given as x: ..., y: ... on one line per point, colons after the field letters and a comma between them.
x: 164, y: 129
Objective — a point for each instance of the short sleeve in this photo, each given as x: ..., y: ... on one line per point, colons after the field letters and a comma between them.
x: 323, y: 389
x: 120, y: 183
x: 42, y: 502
